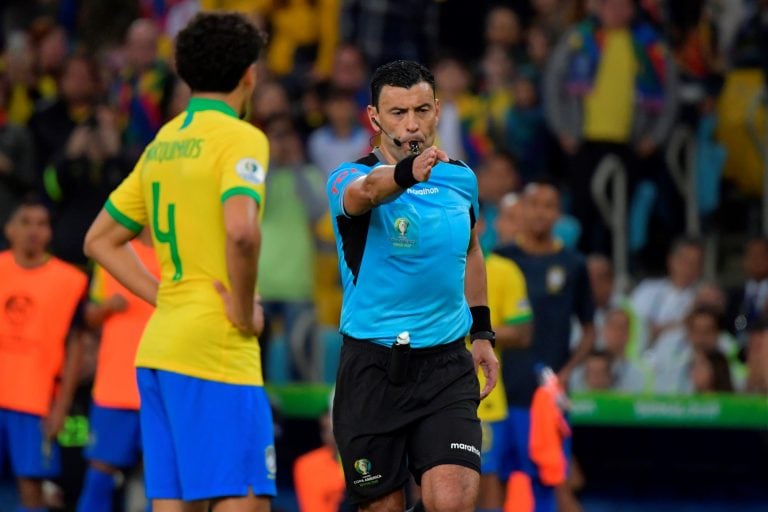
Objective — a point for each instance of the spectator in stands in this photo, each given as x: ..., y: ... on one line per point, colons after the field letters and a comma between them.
x: 610, y: 88
x: 51, y: 125
x: 702, y: 334
x: 144, y: 90
x: 710, y: 373
x: 627, y: 376
x: 509, y: 220
x: 34, y: 63
x: 495, y: 90
x: 504, y: 31
x: 41, y: 296
x: 389, y: 30
x: 757, y: 357
x: 539, y: 43
x: 749, y: 301
x: 607, y: 298
x: 342, y: 138
x: 269, y: 100
x: 496, y: 177
x: 350, y: 73
x: 317, y: 475
x: 79, y: 180
x: 711, y: 295
x: 16, y: 157
x: 303, y: 38
x: 297, y: 201
x: 525, y: 132
x: 662, y: 304
x: 463, y: 128
x: 597, y: 371
x: 554, y: 16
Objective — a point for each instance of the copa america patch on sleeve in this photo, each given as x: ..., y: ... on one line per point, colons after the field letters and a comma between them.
x: 250, y: 170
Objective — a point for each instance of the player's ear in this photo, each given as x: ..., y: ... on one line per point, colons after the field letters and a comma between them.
x: 372, y: 118
x: 249, y: 77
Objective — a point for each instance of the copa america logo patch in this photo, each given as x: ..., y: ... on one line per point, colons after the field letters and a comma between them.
x: 270, y: 460
x: 250, y: 170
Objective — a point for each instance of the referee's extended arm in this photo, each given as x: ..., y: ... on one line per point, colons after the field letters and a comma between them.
x: 379, y: 185
x: 475, y: 289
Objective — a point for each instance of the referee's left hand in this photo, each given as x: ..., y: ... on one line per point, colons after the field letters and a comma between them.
x: 485, y: 358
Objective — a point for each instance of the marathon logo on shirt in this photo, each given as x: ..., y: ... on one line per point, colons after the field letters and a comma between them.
x: 250, y: 170
x: 423, y: 191
x: 466, y: 447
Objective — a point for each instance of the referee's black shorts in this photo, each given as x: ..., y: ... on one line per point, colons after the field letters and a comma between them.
x: 384, y: 430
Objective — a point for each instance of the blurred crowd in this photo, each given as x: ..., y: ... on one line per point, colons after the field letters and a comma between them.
x: 530, y: 91
x: 84, y: 86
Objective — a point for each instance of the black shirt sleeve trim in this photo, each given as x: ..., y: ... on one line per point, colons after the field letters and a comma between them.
x: 354, y: 234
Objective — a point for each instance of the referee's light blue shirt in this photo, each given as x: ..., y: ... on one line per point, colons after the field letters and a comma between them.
x: 403, y: 263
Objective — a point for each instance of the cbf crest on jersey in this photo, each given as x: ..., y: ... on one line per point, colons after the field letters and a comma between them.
x: 555, y: 278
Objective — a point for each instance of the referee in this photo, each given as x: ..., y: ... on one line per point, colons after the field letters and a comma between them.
x: 404, y: 219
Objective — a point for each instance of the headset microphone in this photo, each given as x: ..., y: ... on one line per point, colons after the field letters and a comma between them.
x: 412, y: 145
x: 394, y: 139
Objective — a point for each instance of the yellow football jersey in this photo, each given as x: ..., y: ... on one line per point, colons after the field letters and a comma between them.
x: 508, y: 301
x: 197, y: 160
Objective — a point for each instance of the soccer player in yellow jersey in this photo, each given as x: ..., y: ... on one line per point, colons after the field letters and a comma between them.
x: 510, y: 316
x: 205, y: 418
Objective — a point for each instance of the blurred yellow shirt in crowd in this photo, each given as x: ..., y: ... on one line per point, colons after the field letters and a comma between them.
x: 608, y: 107
x: 508, y: 302
x: 197, y: 161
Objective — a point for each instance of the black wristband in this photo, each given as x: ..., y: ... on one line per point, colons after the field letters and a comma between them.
x: 404, y: 172
x: 481, y: 319
x: 483, y: 335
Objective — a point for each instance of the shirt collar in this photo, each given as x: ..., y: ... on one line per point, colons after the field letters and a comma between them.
x: 200, y: 104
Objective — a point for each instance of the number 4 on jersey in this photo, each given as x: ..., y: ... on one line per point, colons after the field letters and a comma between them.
x: 169, y: 236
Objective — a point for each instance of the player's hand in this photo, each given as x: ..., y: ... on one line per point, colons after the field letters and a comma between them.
x: 248, y: 327
x: 258, y: 315
x: 423, y: 164
x: 569, y: 144
x: 54, y: 422
x: 116, y: 303
x: 645, y: 147
x: 485, y: 358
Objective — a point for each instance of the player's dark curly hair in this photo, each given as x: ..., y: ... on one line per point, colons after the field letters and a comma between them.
x: 214, y: 50
x: 399, y: 73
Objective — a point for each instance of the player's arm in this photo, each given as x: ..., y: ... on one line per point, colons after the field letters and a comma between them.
x: 580, y: 353
x: 107, y: 243
x: 585, y: 312
x: 476, y: 292
x: 54, y: 421
x: 241, y: 223
x: 515, y: 309
x: 96, y: 313
x: 516, y: 335
x: 100, y: 307
x: 386, y: 181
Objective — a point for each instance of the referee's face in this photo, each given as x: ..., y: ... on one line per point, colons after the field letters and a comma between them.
x: 406, y: 115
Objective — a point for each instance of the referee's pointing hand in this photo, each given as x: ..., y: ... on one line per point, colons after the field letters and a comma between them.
x: 423, y: 164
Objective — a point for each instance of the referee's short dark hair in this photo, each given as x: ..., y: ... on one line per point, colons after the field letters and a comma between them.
x: 399, y: 73
x: 214, y: 50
